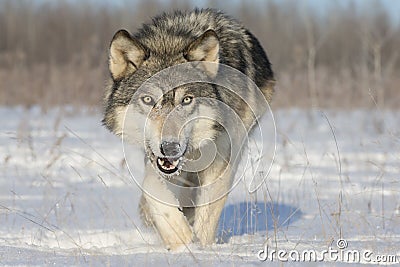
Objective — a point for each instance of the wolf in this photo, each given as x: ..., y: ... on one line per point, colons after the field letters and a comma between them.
x: 186, y: 128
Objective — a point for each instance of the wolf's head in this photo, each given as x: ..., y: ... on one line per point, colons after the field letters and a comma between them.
x: 170, y: 121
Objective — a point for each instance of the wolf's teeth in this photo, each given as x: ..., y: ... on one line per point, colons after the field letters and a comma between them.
x: 174, y: 166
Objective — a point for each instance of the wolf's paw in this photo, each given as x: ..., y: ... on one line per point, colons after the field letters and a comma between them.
x: 179, y: 237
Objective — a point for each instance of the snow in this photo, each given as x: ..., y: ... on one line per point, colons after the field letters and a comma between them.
x: 67, y: 197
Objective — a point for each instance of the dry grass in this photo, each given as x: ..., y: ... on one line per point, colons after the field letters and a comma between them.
x: 55, y: 53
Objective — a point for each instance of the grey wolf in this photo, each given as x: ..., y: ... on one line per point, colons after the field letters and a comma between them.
x: 178, y: 126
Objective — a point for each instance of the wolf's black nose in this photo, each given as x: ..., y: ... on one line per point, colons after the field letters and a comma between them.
x: 170, y: 149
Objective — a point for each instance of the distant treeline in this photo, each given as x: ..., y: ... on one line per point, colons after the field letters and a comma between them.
x: 55, y: 52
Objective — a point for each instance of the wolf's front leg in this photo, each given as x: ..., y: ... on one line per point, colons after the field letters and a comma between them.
x: 206, y: 221
x: 211, y: 201
x: 162, y: 207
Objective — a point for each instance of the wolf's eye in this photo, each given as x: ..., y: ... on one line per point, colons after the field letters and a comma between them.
x: 187, y: 100
x: 148, y: 100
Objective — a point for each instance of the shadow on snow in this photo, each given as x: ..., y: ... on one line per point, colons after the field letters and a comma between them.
x: 251, y: 217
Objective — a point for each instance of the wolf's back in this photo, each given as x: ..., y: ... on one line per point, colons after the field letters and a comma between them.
x: 170, y: 33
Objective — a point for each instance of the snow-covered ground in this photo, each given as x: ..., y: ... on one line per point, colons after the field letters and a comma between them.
x: 67, y: 197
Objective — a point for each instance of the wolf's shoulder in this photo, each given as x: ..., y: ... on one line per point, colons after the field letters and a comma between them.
x: 189, y: 23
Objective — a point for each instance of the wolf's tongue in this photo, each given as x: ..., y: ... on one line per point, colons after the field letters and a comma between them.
x: 167, y: 163
x: 168, y: 166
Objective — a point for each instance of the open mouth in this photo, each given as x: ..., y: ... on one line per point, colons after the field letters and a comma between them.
x: 168, y: 165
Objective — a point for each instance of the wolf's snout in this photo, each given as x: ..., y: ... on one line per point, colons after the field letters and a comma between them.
x: 171, y: 149
x: 171, y: 162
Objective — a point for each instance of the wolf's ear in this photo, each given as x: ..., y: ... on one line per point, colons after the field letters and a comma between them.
x: 205, y: 48
x: 126, y: 55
